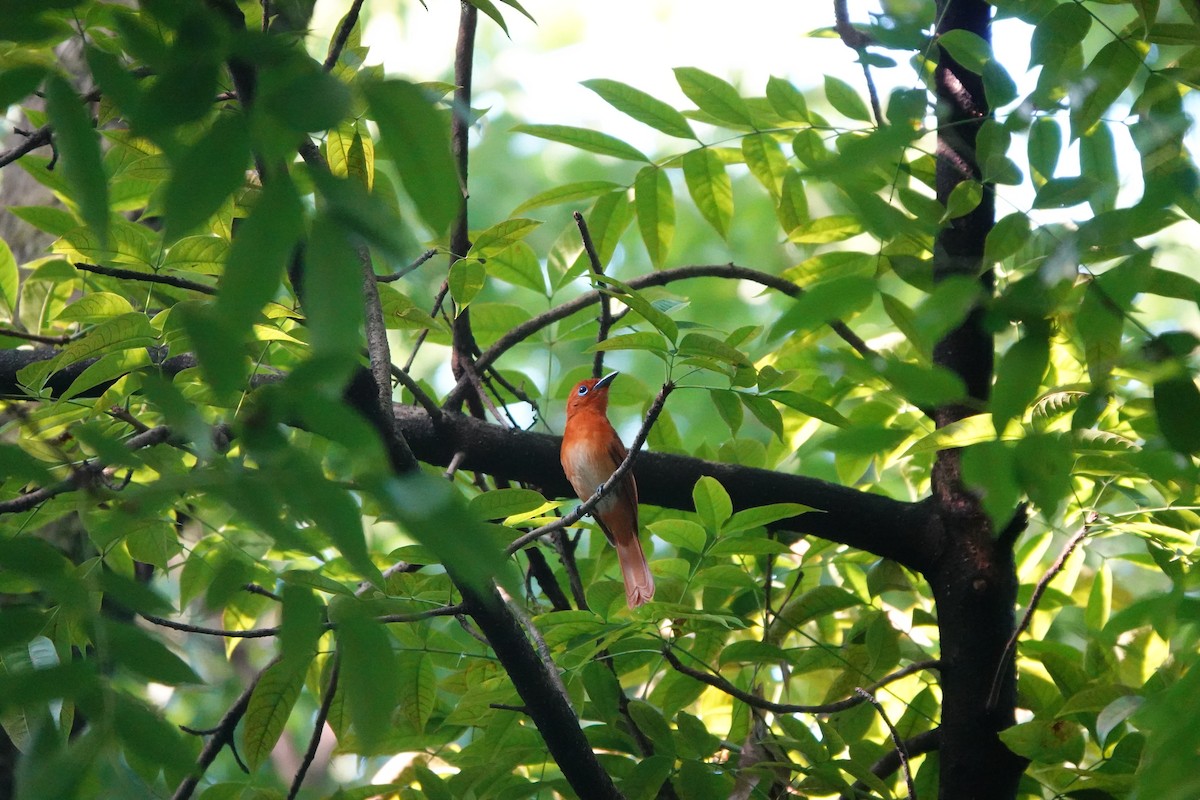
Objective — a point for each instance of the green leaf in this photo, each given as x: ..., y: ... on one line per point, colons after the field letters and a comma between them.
x: 642, y: 107
x: 1044, y: 464
x: 418, y: 687
x: 639, y: 340
x: 308, y: 100
x: 10, y: 280
x: 1100, y: 325
x: 1065, y: 192
x: 609, y: 217
x: 416, y: 137
x: 369, y: 678
x: 581, y: 190
x: 1044, y: 148
x: 964, y: 198
x: 809, y: 407
x: 427, y: 507
x: 79, y: 150
x: 655, y: 206
x: 1105, y: 80
x: 967, y: 48
x: 845, y: 100
x: 333, y: 290
x: 712, y: 503
x: 762, y: 515
x: 835, y: 228
x: 765, y: 412
x: 489, y: 8
x: 1061, y: 29
x: 350, y: 153
x: 205, y: 174
x: 1019, y: 376
x: 1007, y: 237
x: 148, y: 736
x: 729, y: 406
x: 302, y: 624
x: 710, y: 188
x: 700, y: 344
x: 271, y: 704
x: 643, y: 307
x: 713, y: 95
x: 466, y: 280
x: 585, y: 139
x: 819, y: 602
x: 18, y: 82
x: 786, y: 100
x: 1099, y: 606
x: 1177, y: 406
x: 680, y: 533
x: 518, y: 264
x: 144, y: 655
x: 989, y: 468
x: 766, y: 161
x: 501, y: 503
x: 792, y: 210
x: 1046, y: 741
x: 837, y: 299
x: 501, y: 236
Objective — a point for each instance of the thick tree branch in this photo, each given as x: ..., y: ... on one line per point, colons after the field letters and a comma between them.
x: 903, y: 532
x: 39, y: 138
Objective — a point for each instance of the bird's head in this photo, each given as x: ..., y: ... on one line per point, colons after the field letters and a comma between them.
x: 590, y: 394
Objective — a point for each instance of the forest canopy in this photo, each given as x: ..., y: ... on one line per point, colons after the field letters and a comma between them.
x: 907, y: 379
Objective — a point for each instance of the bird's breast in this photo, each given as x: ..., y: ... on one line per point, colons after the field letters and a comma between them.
x: 587, y: 465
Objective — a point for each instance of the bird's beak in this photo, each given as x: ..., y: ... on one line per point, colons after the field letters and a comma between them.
x: 606, y: 380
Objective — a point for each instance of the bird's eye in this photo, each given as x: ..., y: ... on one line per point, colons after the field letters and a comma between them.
x: 582, y: 391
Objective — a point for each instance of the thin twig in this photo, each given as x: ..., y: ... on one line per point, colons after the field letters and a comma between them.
x: 857, y: 41
x: 318, y: 728
x: 264, y: 633
x: 400, y: 273
x: 35, y: 337
x: 82, y: 475
x: 343, y: 34
x: 437, y: 307
x: 614, y: 480
x: 918, y: 745
x: 1055, y: 568
x: 606, y: 318
x: 717, y: 682
x: 223, y: 735
x: 146, y: 277
x: 900, y: 751
x: 39, y: 138
x: 254, y: 588
x: 660, y: 278
x: 414, y: 388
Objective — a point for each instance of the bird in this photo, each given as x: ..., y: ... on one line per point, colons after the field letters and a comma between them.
x: 591, y: 451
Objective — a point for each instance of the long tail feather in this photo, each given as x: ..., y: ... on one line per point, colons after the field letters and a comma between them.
x: 639, y: 584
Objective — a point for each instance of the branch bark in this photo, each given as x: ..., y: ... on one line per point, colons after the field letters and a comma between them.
x: 974, y: 577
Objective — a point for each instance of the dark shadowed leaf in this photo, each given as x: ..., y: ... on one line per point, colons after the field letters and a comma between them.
x: 79, y: 149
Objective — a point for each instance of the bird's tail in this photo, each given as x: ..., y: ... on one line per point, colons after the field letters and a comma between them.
x: 639, y: 584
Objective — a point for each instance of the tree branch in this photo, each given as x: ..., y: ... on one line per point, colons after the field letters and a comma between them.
x: 660, y: 278
x: 606, y: 317
x: 222, y: 735
x: 901, y: 752
x: 1034, y: 599
x: 146, y: 277
x: 753, y: 700
x: 39, y: 138
x: 318, y: 728
x: 903, y: 532
x: 922, y: 743
x: 343, y: 33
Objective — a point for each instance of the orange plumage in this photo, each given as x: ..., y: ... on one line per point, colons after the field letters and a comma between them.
x: 591, y: 452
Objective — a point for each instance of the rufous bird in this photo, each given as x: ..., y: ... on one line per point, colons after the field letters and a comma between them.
x: 591, y: 452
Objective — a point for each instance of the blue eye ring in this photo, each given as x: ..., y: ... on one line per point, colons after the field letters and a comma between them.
x: 583, y: 390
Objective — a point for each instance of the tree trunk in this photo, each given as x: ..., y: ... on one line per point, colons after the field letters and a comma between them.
x: 973, y: 577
